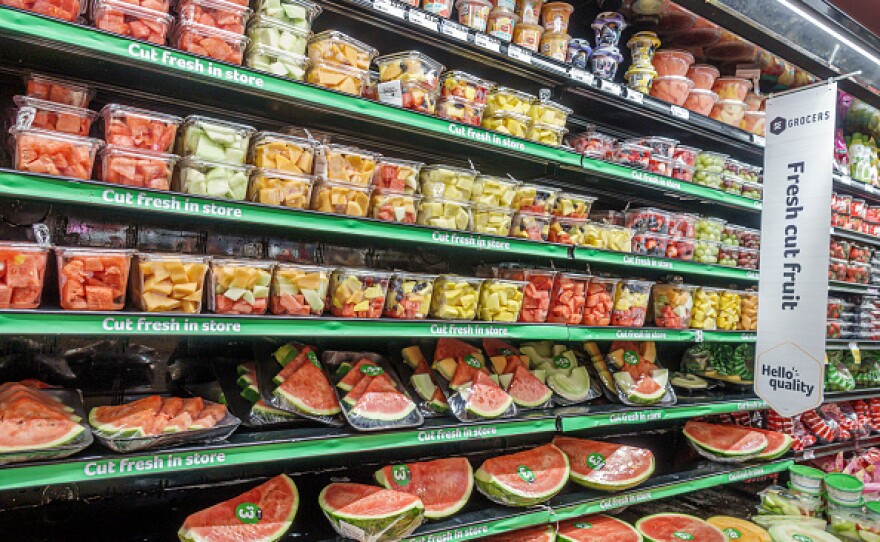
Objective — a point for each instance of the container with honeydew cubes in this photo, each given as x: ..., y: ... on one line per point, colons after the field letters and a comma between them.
x: 409, y: 66
x: 286, y: 153
x: 214, y: 179
x: 409, y: 296
x: 450, y: 182
x: 347, y: 164
x: 239, y: 286
x: 455, y: 297
x: 334, y: 47
x: 169, y: 283
x: 214, y: 140
x: 278, y: 35
x: 299, y: 13
x: 494, y: 191
x: 358, y: 293
x: 300, y: 290
x: 395, y: 175
x: 92, y: 279
x: 22, y: 274
x: 133, y: 128
x: 444, y: 213
x: 501, y: 300
x: 57, y: 90
x: 341, y: 198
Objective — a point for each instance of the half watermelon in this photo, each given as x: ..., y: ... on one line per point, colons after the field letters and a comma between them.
x: 777, y: 444
x: 605, y: 465
x: 725, y: 441
x: 370, y: 513
x: 597, y: 528
x: 273, y: 504
x: 541, y: 533
x: 444, y: 485
x: 678, y: 527
x: 524, y: 478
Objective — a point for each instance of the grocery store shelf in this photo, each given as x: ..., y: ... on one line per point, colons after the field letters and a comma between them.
x: 856, y: 236
x: 629, y: 260
x: 826, y: 450
x: 577, y: 333
x: 844, y: 344
x: 852, y: 395
x: 167, y: 70
x: 852, y: 288
x: 846, y: 185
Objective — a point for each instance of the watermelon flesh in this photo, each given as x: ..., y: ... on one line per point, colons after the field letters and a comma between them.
x: 22, y: 270
x: 455, y: 349
x: 443, y: 485
x: 678, y: 527
x: 383, y: 401
x: 597, y: 528
x: 541, y: 533
x: 606, y: 466
x: 777, y: 444
x: 526, y: 390
x: 34, y: 420
x: 524, y: 478
x: 155, y: 415
x: 277, y: 501
x: 730, y: 441
x: 308, y: 390
x: 369, y: 513
x: 485, y: 398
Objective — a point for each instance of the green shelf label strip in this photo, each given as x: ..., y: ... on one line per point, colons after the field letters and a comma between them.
x: 638, y: 417
x: 624, y: 259
x: 480, y: 530
x: 105, y: 44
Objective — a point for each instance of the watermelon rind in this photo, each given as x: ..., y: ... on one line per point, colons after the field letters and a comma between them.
x: 641, y: 523
x: 297, y: 403
x: 113, y: 429
x: 75, y: 431
x: 775, y: 452
x: 375, y: 528
x: 474, y: 408
x: 496, y: 491
x: 441, y: 513
x: 626, y: 384
x: 746, y: 453
x: 613, y: 486
x: 263, y: 409
x: 398, y: 415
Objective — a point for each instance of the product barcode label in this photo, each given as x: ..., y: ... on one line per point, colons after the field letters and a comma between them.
x: 518, y: 53
x: 679, y: 112
x: 611, y: 88
x: 635, y: 96
x: 454, y: 30
x: 390, y: 92
x: 423, y: 19
x: 487, y: 42
x: 698, y: 335
x: 582, y: 76
x: 389, y: 7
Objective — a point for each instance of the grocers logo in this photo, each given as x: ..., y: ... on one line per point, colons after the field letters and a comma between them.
x: 777, y: 125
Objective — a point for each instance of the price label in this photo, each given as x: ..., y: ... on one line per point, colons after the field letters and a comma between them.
x: 391, y: 92
x: 698, y: 335
x: 873, y: 291
x: 870, y: 188
x: 846, y: 180
x: 487, y: 42
x: 635, y: 96
x: 518, y: 53
x: 611, y: 88
x: 759, y: 140
x: 679, y: 112
x: 454, y: 30
x: 389, y: 7
x: 425, y: 20
x: 581, y: 76
x: 809, y: 454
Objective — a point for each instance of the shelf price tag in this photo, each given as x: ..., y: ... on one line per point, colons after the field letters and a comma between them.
x: 845, y: 179
x: 518, y: 53
x: 425, y: 20
x: 581, y: 76
x: 487, y: 42
x: 390, y: 8
x: 635, y: 96
x: 758, y: 140
x: 679, y: 112
x: 454, y: 30
x: 611, y: 88
x: 870, y: 188
x: 698, y: 335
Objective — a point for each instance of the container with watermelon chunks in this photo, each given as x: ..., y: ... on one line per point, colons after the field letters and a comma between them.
x: 61, y: 91
x: 300, y: 290
x: 22, y: 272
x: 600, y: 301
x: 370, y: 392
x: 219, y: 14
x: 239, y: 286
x: 155, y: 421
x: 54, y: 153
x: 394, y: 175
x: 131, y: 167
x: 209, y: 42
x: 130, y: 20
x: 93, y: 279
x: 568, y: 298
x: 45, y: 115
x: 133, y: 128
x: 67, y: 10
x: 40, y: 423
x: 536, y: 294
x: 391, y: 206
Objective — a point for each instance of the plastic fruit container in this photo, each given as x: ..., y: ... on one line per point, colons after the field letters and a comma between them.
x: 299, y: 290
x: 554, y: 45
x: 835, y: 307
x: 536, y: 294
x: 672, y: 62
x: 491, y: 220
x: 506, y: 100
x: 631, y: 303
x: 732, y: 88
x: 748, y: 311
x: 274, y: 60
x: 52, y: 89
x: 494, y: 191
x: 138, y: 168
x: 413, y: 95
x: 91, y: 279
x: 604, y: 61
x: 66, y: 10
x: 546, y: 134
x: 709, y: 229
x: 703, y: 76
x: 409, y: 296
x: 662, y: 146
x: 299, y: 13
x: 706, y: 251
x: 395, y: 175
x: 462, y: 85
x: 729, y: 112
x: 289, y: 154
x: 682, y: 225
x: 239, y: 286
x: 528, y: 35
x: 273, y: 187
x: 358, y: 293
x: 593, y: 145
x: 570, y: 205
x: 680, y: 248
x: 460, y: 110
x: 209, y: 42
x: 218, y: 14
x: 441, y: 8
x: 444, y: 213
x: 673, y: 304
x: 528, y: 225
x: 54, y: 153
x: 334, y: 47
x: 568, y: 298
x: 648, y: 219
x: 599, y: 302
x: 337, y: 77
x: 608, y: 237
x: 607, y: 27
x: 215, y: 140
x: 439, y: 181
x: 611, y: 218
x: 708, y: 169
x: 837, y: 269
x: 501, y: 24
x: 860, y: 254
x: 660, y: 165
x: 642, y: 46
x: 640, y: 78
x: 341, y: 198
x: 22, y: 274
x: 409, y: 66
x: 753, y: 191
x: 169, y: 282
x: 347, y: 164
x: 673, y: 89
x: 371, y: 86
x: 859, y: 273
x: 750, y: 238
x: 127, y: 19
x: 529, y: 10
x: 748, y: 258
x: 750, y: 173
x: 500, y: 300
x: 533, y: 198
x: 649, y: 244
x: 632, y: 155
x: 507, y: 123
x: 700, y: 101
x: 685, y: 155
x: 832, y: 329
x: 45, y: 115
x: 214, y: 179
x: 568, y: 231
x: 550, y: 113
x: 455, y: 297
x: 134, y: 128
x: 474, y: 13
x: 394, y: 207
x: 731, y: 184
x: 754, y: 122
x: 704, y: 314
x: 729, y: 309
x: 730, y: 234
x: 728, y: 255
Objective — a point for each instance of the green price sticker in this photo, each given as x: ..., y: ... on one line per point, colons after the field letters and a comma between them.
x: 314, y: 359
x: 802, y: 538
x: 371, y: 370
x: 248, y: 512
x: 561, y: 362
x: 596, y: 461
x: 527, y: 475
x: 732, y: 534
x: 401, y: 475
x: 631, y: 357
x: 681, y: 535
x: 583, y: 525
x: 473, y: 362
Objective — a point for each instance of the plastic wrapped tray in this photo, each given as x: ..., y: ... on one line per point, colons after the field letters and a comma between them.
x: 234, y: 377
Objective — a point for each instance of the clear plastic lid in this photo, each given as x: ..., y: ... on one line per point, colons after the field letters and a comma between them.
x: 153, y: 16
x: 277, y: 9
x: 92, y: 143
x: 29, y: 107
x: 407, y: 59
x: 57, y: 90
x: 334, y: 46
x: 111, y: 111
x: 237, y: 40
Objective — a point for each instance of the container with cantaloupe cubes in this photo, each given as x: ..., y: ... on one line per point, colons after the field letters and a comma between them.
x: 132, y: 167
x: 337, y: 77
x: 22, y: 272
x: 239, y: 286
x: 92, y: 279
x: 341, y: 198
x: 273, y: 187
x: 347, y: 164
x: 287, y: 153
x: 169, y: 282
